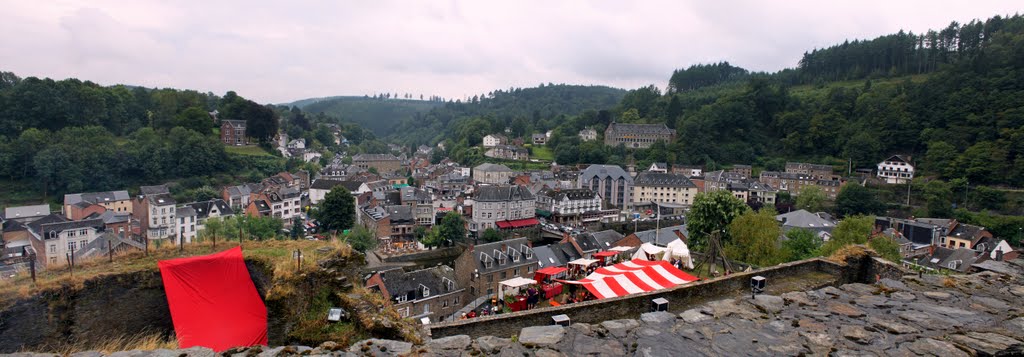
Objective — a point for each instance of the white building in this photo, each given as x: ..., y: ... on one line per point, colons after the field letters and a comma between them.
x: 192, y: 217
x: 895, y: 170
x: 319, y: 189
x: 493, y: 140
x: 588, y: 134
x: 59, y: 237
x: 611, y: 182
x: 655, y: 187
x: 568, y: 203
x: 492, y: 173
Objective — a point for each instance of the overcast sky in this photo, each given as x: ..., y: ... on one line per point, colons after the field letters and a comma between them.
x: 283, y: 51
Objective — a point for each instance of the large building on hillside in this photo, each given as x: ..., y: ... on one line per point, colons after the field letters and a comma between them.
x: 896, y: 170
x: 566, y: 205
x: 637, y: 136
x: 495, y: 174
x: 613, y: 183
x: 820, y: 172
x: 383, y: 163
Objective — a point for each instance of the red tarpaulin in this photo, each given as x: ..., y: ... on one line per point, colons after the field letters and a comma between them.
x: 549, y: 271
x: 519, y: 223
x: 213, y: 301
x: 605, y: 254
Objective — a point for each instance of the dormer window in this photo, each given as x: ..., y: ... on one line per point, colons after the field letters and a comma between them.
x: 487, y: 260
x: 426, y: 291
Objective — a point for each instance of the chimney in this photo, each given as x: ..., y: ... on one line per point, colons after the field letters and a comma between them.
x: 931, y: 250
x: 999, y: 255
x: 503, y: 247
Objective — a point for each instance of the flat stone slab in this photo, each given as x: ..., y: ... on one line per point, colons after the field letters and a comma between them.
x: 845, y: 310
x: 541, y: 336
x: 658, y: 317
x: 937, y: 295
x: 989, y: 343
x: 491, y: 344
x: 857, y: 334
x: 694, y: 316
x: 620, y: 328
x: 798, y: 297
x: 903, y: 296
x: 379, y: 347
x: 457, y: 342
x: 768, y: 303
x: 933, y: 347
x: 891, y: 326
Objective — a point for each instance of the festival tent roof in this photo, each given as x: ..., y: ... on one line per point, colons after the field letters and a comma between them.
x: 519, y: 223
x: 515, y: 284
x: 606, y: 254
x: 583, y: 262
x: 620, y: 249
x: 635, y: 276
x: 548, y: 272
x: 678, y: 249
x: 213, y: 301
x: 646, y: 250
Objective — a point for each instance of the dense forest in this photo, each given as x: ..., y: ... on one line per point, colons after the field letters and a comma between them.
x: 73, y: 136
x: 378, y: 113
x: 951, y: 99
x: 523, y: 110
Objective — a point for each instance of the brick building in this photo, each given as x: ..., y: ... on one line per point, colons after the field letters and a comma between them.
x: 232, y: 132
x: 430, y: 292
x: 480, y: 268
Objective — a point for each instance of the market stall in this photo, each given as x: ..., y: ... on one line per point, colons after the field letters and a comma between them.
x: 582, y: 266
x: 631, y: 277
x: 678, y: 251
x: 606, y: 257
x: 649, y: 251
x: 548, y: 285
x: 512, y: 291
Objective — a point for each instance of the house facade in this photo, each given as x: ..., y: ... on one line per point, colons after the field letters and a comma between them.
x: 481, y: 267
x: 539, y: 139
x: 55, y: 239
x: 508, y: 152
x: 588, y: 134
x: 637, y: 136
x: 155, y: 209
x: 614, y: 184
x: 426, y: 293
x: 495, y: 174
x: 493, y: 140
x: 495, y: 206
x: 658, y: 188
x: 232, y: 132
x: 794, y: 183
x: 383, y: 163
x: 566, y: 205
x: 895, y: 170
x: 76, y: 205
x: 817, y: 171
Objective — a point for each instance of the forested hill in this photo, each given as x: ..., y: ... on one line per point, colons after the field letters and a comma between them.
x: 524, y: 110
x: 952, y: 99
x: 378, y: 114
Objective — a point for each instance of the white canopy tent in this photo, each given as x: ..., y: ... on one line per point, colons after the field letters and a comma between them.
x: 620, y: 249
x: 514, y: 284
x: 649, y: 251
x: 677, y: 249
x: 584, y: 262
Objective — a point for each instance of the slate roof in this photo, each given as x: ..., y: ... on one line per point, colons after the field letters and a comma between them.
x: 36, y: 226
x: 154, y: 190
x: 401, y: 214
x: 572, y: 194
x: 438, y: 280
x: 184, y: 211
x: 233, y: 122
x: 489, y: 167
x: 662, y: 237
x: 959, y: 259
x: 546, y: 257
x: 26, y: 211
x: 240, y: 190
x: 203, y: 208
x: 111, y: 217
x: 57, y: 227
x: 262, y: 206
x: 324, y: 184
x: 607, y: 238
x: 487, y: 251
x: 613, y: 171
x: 162, y: 199
x: 640, y: 128
x: 502, y: 194
x: 374, y: 157
x: 588, y: 243
x: 663, y: 180
x: 804, y: 219
x: 96, y: 197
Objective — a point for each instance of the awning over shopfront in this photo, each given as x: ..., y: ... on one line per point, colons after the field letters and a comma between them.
x: 519, y: 223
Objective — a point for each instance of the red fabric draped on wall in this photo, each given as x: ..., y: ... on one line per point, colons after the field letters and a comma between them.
x: 214, y: 302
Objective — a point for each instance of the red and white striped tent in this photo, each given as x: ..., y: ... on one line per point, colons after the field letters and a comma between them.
x: 631, y: 277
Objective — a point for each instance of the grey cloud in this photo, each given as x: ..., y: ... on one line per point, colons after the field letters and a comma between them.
x: 276, y: 52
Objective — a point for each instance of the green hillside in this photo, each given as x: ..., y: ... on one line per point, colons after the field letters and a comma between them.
x: 378, y: 115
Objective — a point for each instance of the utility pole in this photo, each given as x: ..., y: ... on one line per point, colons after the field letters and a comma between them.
x: 908, y: 191
x: 181, y: 243
x: 110, y: 251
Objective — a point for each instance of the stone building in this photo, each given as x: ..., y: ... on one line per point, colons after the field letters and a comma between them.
x: 566, y: 205
x: 232, y: 132
x: 383, y: 163
x: 820, y: 172
x: 495, y: 174
x: 637, y: 136
x: 481, y: 267
x: 426, y: 293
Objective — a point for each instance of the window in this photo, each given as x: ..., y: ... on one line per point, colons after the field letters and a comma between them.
x: 456, y: 302
x: 404, y: 311
x: 71, y: 234
x: 426, y: 309
x: 53, y: 248
x: 504, y: 275
x: 81, y: 245
x: 71, y: 246
x: 490, y: 278
x: 83, y: 232
x: 53, y: 260
x: 444, y: 303
x: 490, y: 291
x: 426, y: 292
x: 515, y: 272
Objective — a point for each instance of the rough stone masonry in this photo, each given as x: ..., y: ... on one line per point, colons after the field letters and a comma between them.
x: 933, y: 315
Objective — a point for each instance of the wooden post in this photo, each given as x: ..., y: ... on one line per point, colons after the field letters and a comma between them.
x: 71, y: 264
x: 146, y: 240
x: 110, y: 251
x: 32, y: 267
x: 181, y: 243
x: 214, y: 240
